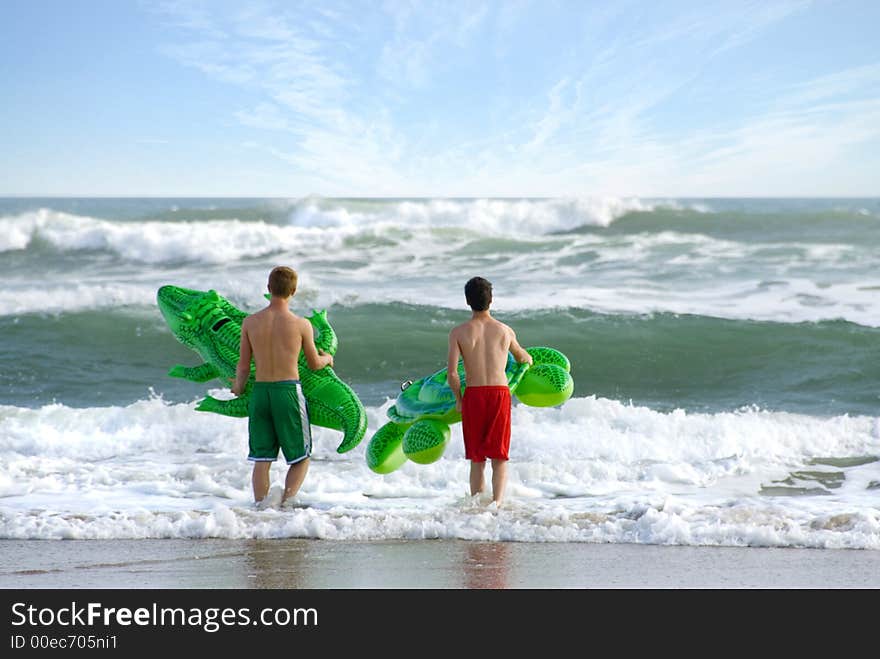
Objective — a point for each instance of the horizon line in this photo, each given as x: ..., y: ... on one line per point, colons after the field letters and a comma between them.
x: 424, y: 197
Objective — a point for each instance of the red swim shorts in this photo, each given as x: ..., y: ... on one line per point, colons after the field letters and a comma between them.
x: 485, y: 422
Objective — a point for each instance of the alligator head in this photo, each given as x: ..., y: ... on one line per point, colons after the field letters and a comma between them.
x: 204, y: 322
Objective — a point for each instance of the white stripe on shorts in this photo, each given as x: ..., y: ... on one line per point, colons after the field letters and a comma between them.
x: 304, y: 419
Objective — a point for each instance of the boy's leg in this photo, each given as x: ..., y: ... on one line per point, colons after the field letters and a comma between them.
x: 294, y: 434
x: 499, y: 480
x: 477, y: 479
x: 295, y: 477
x: 260, y: 479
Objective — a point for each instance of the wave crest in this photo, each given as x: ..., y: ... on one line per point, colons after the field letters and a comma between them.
x: 485, y: 216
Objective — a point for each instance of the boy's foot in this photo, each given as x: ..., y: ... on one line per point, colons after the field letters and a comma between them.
x: 292, y: 503
x: 271, y: 500
x: 471, y: 501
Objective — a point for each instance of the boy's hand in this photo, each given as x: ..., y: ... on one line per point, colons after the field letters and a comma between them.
x: 329, y: 358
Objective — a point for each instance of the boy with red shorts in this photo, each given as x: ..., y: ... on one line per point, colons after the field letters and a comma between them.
x: 483, y: 343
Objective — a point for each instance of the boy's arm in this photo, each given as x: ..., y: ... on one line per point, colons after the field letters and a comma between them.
x: 243, y: 369
x: 316, y: 359
x: 519, y: 353
x: 452, y: 369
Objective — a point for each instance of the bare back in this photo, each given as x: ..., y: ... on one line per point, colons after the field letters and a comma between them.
x: 484, y: 343
x: 276, y: 338
x: 273, y: 338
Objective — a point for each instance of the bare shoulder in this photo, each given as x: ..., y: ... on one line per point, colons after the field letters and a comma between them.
x: 457, y: 330
x: 302, y: 324
x: 504, y: 327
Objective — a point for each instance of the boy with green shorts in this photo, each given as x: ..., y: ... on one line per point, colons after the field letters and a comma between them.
x: 277, y: 413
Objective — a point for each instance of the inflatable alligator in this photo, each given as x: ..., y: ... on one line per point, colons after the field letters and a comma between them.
x: 208, y: 324
x: 418, y: 429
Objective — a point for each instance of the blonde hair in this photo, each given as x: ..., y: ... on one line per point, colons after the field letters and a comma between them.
x: 282, y: 281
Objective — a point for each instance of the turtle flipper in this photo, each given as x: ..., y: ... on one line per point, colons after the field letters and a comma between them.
x: 385, y: 450
x: 425, y: 441
x: 547, y: 382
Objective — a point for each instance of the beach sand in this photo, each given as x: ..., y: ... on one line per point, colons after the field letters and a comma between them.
x: 432, y: 564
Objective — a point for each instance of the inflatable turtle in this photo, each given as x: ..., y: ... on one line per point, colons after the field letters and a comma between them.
x: 418, y: 429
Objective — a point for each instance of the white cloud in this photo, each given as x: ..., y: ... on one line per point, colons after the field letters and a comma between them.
x: 559, y: 112
x: 422, y: 37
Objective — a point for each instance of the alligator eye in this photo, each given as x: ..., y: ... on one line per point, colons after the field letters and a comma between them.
x: 220, y: 323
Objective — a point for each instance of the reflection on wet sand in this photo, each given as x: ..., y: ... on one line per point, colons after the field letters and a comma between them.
x: 486, y: 565
x: 274, y: 564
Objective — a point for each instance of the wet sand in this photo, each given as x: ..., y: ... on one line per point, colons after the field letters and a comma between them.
x: 434, y: 564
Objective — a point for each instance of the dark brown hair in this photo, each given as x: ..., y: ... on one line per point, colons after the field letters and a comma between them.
x: 478, y: 293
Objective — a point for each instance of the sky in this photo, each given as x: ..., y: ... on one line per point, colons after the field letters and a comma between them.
x: 500, y: 98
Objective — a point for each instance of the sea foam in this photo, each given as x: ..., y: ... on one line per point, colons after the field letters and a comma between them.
x: 594, y: 470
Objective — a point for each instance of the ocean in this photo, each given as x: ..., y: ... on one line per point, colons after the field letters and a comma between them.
x: 725, y: 355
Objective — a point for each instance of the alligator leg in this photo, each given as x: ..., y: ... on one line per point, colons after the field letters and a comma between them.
x: 233, y: 407
x: 201, y: 373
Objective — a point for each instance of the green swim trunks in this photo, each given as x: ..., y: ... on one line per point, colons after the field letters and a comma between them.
x: 278, y: 418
